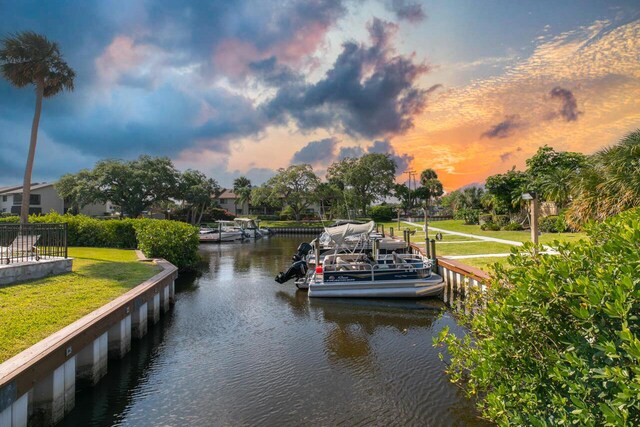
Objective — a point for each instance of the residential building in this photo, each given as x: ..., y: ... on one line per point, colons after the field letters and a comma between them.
x: 229, y: 201
x: 44, y: 199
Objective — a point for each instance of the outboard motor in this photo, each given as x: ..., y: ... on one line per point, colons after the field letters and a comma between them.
x: 298, y: 270
x: 302, y: 251
x: 299, y: 267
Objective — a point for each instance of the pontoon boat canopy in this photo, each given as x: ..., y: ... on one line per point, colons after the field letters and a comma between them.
x: 341, y: 232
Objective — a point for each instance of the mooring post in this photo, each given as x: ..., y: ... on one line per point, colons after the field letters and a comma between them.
x: 432, y: 246
x: 391, y: 231
x: 382, y: 230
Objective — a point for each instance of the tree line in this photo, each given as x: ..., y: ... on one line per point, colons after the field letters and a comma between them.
x: 583, y: 187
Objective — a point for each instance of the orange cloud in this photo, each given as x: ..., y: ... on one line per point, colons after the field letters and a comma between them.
x: 599, y: 64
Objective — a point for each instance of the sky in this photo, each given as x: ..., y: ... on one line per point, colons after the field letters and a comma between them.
x: 468, y: 88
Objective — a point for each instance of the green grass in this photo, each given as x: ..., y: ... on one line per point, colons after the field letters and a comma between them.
x: 518, y: 236
x: 484, y: 263
x: 33, y: 310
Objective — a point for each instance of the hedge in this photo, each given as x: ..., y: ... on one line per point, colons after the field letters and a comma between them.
x: 177, y: 242
x: 558, y: 340
x: 382, y: 213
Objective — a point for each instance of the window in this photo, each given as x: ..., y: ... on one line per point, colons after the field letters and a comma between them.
x: 4, y: 198
x: 34, y: 199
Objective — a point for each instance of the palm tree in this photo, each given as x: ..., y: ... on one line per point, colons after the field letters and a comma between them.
x: 242, y: 188
x: 431, y: 187
x: 28, y: 58
x: 609, y: 184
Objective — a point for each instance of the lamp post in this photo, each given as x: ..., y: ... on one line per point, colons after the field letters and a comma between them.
x: 534, y: 212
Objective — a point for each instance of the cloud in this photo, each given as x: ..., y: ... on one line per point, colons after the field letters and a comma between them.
x: 407, y: 10
x: 384, y: 147
x: 569, y: 109
x: 368, y: 92
x: 351, y: 152
x: 505, y: 128
x: 316, y: 152
x: 508, y: 154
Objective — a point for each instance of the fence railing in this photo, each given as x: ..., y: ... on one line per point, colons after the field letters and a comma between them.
x: 32, y: 242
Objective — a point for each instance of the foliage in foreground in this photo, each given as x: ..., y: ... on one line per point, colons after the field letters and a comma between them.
x: 174, y: 241
x: 560, y: 344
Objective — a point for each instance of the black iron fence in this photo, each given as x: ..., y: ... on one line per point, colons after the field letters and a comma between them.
x: 32, y: 242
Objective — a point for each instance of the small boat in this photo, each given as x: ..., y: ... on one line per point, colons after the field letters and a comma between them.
x: 221, y: 234
x: 251, y: 227
x: 351, y: 267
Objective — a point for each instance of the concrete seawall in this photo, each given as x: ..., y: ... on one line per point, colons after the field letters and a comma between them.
x: 37, y: 386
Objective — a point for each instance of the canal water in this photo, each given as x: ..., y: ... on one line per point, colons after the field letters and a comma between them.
x: 240, y: 349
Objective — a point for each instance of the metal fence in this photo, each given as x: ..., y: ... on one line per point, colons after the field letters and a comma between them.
x: 32, y: 242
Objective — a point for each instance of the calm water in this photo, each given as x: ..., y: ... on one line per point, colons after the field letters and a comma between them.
x: 240, y: 349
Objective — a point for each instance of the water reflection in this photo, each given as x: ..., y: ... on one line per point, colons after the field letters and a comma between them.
x: 240, y: 349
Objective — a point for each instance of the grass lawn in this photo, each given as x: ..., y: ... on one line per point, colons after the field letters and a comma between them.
x: 33, y: 310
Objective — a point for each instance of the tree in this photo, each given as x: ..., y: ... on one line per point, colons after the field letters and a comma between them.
x: 327, y: 195
x: 430, y: 188
x: 507, y: 190
x: 406, y: 197
x: 242, y: 189
x: 550, y: 173
x: 28, y: 58
x: 133, y: 185
x: 77, y: 190
x: 608, y: 184
x: 293, y: 187
x: 196, y: 190
x: 365, y: 179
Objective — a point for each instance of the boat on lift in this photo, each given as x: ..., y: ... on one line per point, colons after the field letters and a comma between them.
x: 356, y: 267
x: 226, y: 232
x: 251, y: 227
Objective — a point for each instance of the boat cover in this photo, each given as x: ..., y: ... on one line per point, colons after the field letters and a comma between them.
x: 340, y: 233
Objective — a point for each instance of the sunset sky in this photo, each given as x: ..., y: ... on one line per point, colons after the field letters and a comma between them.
x: 469, y: 88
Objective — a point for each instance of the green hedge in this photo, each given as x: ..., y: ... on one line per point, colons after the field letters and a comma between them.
x: 382, y: 213
x: 558, y: 340
x: 177, y: 242
x: 513, y: 226
x: 554, y: 224
x: 490, y: 226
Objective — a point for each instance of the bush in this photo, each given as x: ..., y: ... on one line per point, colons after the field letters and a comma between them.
x: 470, y: 216
x: 549, y: 224
x: 177, y: 242
x: 268, y: 217
x: 513, y: 226
x: 382, y: 213
x: 485, y: 218
x: 126, y: 234
x: 490, y: 226
x: 558, y: 340
x: 286, y: 214
x: 502, y: 220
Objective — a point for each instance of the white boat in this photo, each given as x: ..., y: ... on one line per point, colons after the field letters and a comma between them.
x: 365, y: 272
x: 222, y: 234
x: 250, y: 227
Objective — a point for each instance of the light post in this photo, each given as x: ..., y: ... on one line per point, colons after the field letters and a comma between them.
x: 534, y: 214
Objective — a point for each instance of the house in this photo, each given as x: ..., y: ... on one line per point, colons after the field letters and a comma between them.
x: 229, y: 201
x: 44, y: 199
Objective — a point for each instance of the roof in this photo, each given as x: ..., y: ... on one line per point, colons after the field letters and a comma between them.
x: 34, y: 187
x: 9, y: 188
x: 227, y: 194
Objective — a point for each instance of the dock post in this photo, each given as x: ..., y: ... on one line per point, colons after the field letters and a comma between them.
x: 153, y: 308
x: 139, y: 320
x: 92, y: 360
x: 120, y: 338
x: 382, y: 225
x: 17, y: 413
x: 391, y: 231
x: 54, y: 395
x: 432, y: 248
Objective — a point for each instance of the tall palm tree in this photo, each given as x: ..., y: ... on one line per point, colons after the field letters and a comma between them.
x: 431, y: 187
x: 28, y: 58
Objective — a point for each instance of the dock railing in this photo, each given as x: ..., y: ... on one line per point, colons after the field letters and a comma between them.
x: 32, y: 242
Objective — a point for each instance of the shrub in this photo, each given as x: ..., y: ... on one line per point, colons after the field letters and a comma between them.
x: 268, y: 217
x: 549, y: 224
x: 502, y: 220
x: 490, y: 226
x: 513, y: 226
x: 484, y: 218
x: 177, y: 242
x: 286, y: 214
x: 382, y: 213
x: 470, y: 216
x: 558, y: 340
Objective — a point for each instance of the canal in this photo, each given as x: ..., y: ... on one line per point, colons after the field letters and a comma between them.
x: 240, y: 349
